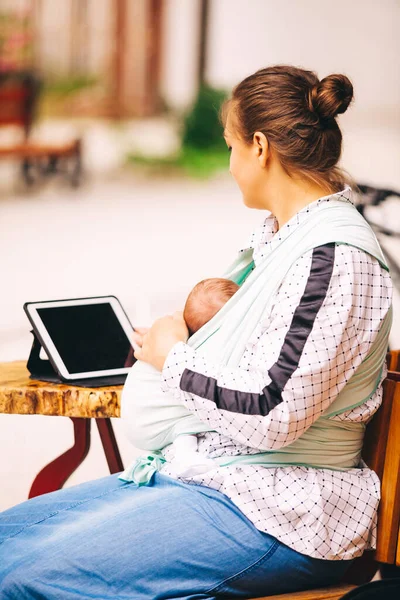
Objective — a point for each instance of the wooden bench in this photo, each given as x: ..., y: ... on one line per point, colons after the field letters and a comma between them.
x: 382, y: 454
x: 18, y: 100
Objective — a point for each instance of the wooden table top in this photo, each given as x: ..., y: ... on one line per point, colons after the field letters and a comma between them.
x: 24, y: 396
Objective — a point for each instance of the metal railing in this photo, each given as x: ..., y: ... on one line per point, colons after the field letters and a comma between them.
x: 372, y: 196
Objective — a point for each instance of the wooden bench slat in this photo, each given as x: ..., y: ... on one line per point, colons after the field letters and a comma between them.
x: 398, y: 551
x: 331, y: 593
x: 394, y: 360
x: 32, y: 149
x: 389, y: 506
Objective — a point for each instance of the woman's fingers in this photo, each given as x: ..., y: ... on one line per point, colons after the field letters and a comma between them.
x: 142, y: 330
x: 138, y: 335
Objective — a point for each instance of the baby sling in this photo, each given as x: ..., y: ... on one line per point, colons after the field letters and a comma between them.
x: 327, y: 443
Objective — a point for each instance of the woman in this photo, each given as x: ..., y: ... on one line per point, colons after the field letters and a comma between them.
x: 248, y: 528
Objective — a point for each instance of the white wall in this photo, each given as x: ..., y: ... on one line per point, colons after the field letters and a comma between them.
x: 359, y: 38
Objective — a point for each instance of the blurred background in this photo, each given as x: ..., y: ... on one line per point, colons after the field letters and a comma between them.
x: 124, y: 170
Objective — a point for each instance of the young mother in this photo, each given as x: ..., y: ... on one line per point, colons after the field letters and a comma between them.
x: 293, y: 505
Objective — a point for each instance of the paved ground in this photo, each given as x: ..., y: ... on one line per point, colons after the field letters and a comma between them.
x: 146, y: 241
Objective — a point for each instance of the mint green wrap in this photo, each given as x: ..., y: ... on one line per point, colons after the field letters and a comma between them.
x: 154, y: 419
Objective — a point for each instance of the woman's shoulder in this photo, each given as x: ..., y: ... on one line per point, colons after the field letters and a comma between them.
x: 345, y: 260
x: 348, y: 275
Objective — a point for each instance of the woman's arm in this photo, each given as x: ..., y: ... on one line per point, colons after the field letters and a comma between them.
x: 327, y: 313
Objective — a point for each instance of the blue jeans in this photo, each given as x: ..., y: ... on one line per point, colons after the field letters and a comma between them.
x: 110, y: 539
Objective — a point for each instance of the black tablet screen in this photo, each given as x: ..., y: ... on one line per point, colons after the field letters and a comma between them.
x: 88, y: 337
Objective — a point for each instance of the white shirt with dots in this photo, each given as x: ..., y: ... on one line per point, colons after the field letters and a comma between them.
x: 322, y: 324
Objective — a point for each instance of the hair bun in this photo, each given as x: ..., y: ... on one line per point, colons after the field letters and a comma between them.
x: 331, y: 96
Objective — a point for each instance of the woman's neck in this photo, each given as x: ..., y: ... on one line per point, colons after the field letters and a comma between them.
x: 288, y: 196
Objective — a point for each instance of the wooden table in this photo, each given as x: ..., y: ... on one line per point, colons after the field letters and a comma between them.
x: 23, y: 396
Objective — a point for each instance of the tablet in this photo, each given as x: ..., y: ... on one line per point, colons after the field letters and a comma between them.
x: 84, y: 337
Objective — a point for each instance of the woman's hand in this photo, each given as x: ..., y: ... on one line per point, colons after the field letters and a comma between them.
x: 157, y: 341
x: 138, y: 335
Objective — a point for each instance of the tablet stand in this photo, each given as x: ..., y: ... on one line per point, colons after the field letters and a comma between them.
x: 39, y: 368
x: 43, y: 370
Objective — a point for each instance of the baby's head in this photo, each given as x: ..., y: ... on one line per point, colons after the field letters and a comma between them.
x: 205, y: 300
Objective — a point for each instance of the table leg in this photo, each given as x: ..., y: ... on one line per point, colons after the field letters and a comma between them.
x: 56, y: 473
x: 110, y: 446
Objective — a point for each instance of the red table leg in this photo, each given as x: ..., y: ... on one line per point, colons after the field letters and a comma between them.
x: 56, y: 473
x: 110, y: 446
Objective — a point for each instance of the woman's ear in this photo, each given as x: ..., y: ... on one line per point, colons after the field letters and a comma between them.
x: 262, y: 148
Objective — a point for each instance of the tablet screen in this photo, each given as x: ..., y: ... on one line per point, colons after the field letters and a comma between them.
x: 88, y: 337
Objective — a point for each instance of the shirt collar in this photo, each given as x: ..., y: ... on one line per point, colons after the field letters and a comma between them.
x: 266, y: 235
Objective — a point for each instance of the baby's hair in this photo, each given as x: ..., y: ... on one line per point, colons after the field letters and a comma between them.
x: 210, y: 294
x: 223, y: 288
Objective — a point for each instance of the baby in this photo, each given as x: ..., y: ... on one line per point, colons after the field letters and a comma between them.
x: 151, y: 423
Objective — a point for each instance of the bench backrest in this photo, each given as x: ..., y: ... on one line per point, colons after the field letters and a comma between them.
x: 381, y: 452
x: 389, y: 507
x: 393, y: 361
x: 18, y: 96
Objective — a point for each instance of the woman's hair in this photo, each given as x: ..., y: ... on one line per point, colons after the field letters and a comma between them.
x: 296, y: 112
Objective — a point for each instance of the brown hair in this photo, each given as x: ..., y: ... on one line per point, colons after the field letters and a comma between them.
x: 206, y: 299
x: 296, y: 112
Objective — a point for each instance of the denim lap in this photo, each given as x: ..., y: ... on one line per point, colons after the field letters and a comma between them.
x: 110, y: 539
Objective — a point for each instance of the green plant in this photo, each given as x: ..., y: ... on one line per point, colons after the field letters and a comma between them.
x: 201, y: 126
x: 64, y: 86
x: 203, y: 151
x: 195, y: 162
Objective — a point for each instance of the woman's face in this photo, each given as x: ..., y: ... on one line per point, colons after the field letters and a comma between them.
x: 245, y: 165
